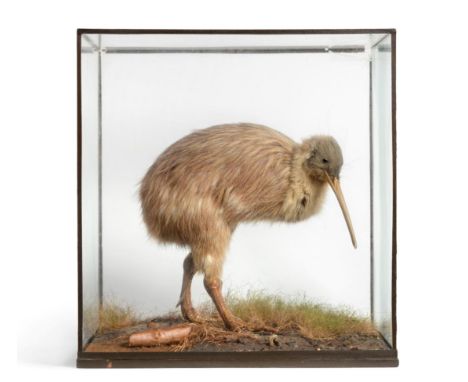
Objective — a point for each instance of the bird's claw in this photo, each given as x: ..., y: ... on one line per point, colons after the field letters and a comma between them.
x: 236, y: 325
x: 191, y: 315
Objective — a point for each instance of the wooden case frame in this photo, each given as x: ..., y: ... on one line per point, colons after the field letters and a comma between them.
x: 348, y: 358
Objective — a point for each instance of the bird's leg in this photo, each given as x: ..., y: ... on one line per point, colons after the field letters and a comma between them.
x: 185, y: 302
x: 213, y: 287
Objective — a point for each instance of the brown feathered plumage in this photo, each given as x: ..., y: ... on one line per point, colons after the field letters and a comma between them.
x: 203, y: 185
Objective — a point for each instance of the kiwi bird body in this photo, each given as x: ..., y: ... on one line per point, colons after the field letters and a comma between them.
x: 202, y: 186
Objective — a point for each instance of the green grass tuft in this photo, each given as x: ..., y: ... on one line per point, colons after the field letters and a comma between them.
x: 114, y: 316
x: 311, y: 319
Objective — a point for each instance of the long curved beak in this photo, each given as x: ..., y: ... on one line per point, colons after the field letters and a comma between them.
x: 336, y: 187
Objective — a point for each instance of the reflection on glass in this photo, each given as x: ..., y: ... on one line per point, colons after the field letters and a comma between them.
x: 141, y: 93
x: 90, y: 185
x: 382, y: 187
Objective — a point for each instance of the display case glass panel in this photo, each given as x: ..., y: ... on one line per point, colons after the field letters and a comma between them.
x: 285, y: 279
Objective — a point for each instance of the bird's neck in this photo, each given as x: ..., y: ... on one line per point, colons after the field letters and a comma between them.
x: 305, y: 194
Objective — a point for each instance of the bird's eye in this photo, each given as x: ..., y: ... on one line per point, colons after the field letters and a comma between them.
x: 324, y: 160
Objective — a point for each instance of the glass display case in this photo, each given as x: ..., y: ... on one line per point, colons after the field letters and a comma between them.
x: 245, y: 160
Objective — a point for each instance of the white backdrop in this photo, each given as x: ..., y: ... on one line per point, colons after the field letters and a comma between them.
x: 151, y: 100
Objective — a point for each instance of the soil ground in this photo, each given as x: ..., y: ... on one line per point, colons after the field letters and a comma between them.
x: 212, y: 337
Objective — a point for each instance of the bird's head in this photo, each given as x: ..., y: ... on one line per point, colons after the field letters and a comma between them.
x: 323, y: 162
x: 324, y: 157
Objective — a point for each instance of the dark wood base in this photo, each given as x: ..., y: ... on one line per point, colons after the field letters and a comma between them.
x: 351, y: 358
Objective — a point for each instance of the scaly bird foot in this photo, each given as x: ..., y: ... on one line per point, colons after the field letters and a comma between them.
x: 190, y: 314
x: 235, y: 324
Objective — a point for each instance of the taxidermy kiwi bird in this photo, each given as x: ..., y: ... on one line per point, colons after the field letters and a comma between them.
x: 201, y: 187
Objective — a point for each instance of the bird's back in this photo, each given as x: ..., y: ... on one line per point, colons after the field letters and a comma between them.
x: 230, y: 173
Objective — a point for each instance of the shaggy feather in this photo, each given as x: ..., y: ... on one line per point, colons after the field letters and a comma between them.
x: 203, y: 185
